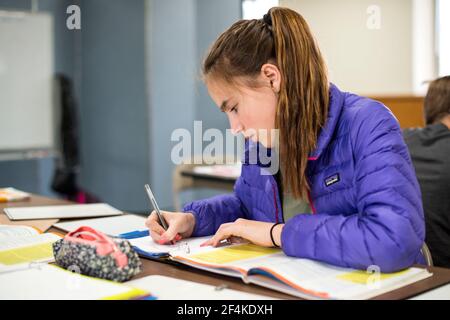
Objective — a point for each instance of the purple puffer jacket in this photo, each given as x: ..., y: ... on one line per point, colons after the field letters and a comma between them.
x: 366, y: 201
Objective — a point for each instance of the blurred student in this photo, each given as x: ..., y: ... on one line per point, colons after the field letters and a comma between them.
x: 430, y: 152
x: 341, y: 155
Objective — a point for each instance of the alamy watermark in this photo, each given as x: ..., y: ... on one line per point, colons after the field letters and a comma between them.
x: 73, y: 21
x: 373, y: 21
x: 373, y: 280
x: 212, y: 146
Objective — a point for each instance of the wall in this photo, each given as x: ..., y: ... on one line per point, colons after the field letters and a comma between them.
x: 365, y: 61
x: 177, y: 97
x: 213, y: 17
x: 106, y: 60
x: 113, y: 113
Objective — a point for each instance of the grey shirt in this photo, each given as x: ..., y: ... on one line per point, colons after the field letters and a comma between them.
x: 290, y: 205
x: 430, y: 152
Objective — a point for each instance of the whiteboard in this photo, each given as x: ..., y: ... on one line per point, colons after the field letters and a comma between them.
x: 26, y: 79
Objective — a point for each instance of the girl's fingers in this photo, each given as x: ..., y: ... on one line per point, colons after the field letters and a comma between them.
x: 206, y: 243
x: 221, y: 234
x: 151, y: 218
x: 225, y: 231
x: 171, y: 232
x: 155, y: 236
x: 155, y: 227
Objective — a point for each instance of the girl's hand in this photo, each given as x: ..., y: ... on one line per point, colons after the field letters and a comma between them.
x: 256, y: 232
x: 181, y: 225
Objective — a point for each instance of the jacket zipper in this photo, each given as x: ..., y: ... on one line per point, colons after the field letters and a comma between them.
x: 277, y: 220
x: 311, y: 203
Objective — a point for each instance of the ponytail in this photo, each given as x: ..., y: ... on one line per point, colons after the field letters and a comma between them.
x: 303, y: 98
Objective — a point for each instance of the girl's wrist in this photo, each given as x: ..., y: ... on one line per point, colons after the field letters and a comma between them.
x: 277, y: 230
x: 190, y: 222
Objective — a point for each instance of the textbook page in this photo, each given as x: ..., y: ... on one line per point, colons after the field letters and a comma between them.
x: 8, y: 231
x: 16, y: 252
x: 233, y: 260
x: 53, y: 283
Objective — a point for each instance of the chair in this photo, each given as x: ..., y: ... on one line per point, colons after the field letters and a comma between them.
x: 427, y: 254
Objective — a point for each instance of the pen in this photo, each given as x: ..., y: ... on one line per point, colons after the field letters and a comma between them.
x: 162, y: 221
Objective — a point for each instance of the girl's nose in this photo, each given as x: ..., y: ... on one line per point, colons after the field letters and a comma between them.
x: 236, y: 126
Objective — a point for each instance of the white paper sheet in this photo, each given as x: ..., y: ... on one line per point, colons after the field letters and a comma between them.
x: 46, y: 282
x: 163, y: 288
x: 112, y: 226
x: 60, y: 212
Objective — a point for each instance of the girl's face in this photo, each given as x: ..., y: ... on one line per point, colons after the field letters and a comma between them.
x: 251, y: 111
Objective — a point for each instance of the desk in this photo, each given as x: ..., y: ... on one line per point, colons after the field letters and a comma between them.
x: 441, y: 276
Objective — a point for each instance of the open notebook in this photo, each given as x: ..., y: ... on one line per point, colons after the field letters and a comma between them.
x: 22, y: 245
x: 271, y: 268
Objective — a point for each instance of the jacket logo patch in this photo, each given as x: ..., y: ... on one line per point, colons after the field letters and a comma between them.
x: 332, y: 179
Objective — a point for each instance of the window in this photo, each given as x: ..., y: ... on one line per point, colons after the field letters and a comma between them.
x: 256, y: 9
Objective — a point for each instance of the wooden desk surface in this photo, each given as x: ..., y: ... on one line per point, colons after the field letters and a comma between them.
x: 441, y: 276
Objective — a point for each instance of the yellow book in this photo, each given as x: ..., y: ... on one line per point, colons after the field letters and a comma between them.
x: 11, y: 194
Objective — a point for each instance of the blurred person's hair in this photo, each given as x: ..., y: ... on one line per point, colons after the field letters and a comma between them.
x: 437, y: 100
x: 284, y: 39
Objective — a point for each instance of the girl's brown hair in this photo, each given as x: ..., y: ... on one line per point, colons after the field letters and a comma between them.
x: 283, y: 38
x: 437, y: 100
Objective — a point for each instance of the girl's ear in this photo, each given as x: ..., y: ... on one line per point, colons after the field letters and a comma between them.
x: 272, y: 76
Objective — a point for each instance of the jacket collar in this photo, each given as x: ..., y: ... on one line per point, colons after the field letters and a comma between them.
x: 256, y: 153
x: 334, y: 111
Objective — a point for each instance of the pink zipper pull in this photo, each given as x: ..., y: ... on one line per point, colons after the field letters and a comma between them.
x: 121, y: 259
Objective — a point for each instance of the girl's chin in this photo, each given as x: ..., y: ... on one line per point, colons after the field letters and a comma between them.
x: 264, y: 142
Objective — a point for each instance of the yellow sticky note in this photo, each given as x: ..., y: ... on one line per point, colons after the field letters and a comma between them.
x: 233, y: 253
x: 362, y: 277
x: 27, y: 254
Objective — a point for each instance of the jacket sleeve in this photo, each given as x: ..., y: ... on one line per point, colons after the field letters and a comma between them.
x: 388, y: 229
x: 212, y: 212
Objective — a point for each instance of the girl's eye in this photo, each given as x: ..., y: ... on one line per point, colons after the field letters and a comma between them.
x: 234, y: 109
